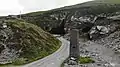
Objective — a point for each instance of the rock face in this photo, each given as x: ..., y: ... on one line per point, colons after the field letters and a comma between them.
x: 96, y: 31
x: 20, y: 39
x: 7, y: 54
x: 75, y: 16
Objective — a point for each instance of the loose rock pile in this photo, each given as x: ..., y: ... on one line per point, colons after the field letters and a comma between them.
x: 7, y: 54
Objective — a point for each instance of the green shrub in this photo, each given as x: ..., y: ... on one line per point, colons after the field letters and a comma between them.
x: 84, y: 60
x: 19, y: 61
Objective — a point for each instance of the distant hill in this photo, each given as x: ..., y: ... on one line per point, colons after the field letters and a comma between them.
x: 110, y: 1
x: 49, y: 20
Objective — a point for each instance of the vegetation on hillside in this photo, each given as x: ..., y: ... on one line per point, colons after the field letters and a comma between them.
x: 85, y: 60
x: 111, y: 1
x: 31, y: 42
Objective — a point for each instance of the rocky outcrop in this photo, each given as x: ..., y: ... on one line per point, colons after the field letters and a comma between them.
x: 96, y: 31
x: 7, y: 54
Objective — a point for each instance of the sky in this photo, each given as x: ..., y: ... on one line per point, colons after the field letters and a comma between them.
x: 13, y: 7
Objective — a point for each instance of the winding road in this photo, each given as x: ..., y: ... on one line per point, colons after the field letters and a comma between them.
x: 55, y: 59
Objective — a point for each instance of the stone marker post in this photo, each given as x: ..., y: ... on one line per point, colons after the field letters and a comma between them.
x: 74, y: 43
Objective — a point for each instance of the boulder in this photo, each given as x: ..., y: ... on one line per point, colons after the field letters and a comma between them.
x: 102, y: 29
x: 72, y: 62
x: 97, y: 31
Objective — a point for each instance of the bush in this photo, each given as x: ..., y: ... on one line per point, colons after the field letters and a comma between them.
x: 19, y: 61
x: 84, y: 60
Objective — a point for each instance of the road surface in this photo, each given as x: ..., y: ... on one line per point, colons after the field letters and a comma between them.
x: 55, y: 59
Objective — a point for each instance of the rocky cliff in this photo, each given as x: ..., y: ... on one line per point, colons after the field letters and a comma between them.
x: 75, y: 16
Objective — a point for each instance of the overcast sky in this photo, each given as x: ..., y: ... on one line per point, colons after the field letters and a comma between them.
x: 8, y: 7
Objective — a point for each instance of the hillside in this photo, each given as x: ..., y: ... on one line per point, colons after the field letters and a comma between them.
x: 53, y: 20
x: 22, y: 42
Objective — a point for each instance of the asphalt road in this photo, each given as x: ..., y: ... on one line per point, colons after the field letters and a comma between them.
x: 55, y: 59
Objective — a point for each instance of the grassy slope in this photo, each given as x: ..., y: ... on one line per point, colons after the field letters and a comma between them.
x: 34, y: 42
x: 110, y: 1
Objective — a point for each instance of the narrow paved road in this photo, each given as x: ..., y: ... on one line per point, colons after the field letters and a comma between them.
x: 55, y: 59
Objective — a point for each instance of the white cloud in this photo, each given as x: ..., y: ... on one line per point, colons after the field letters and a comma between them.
x: 10, y: 7
x: 37, y: 5
x: 61, y: 3
x: 15, y: 6
x: 71, y: 2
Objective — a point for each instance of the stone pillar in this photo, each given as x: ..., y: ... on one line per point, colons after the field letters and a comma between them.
x: 74, y: 43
